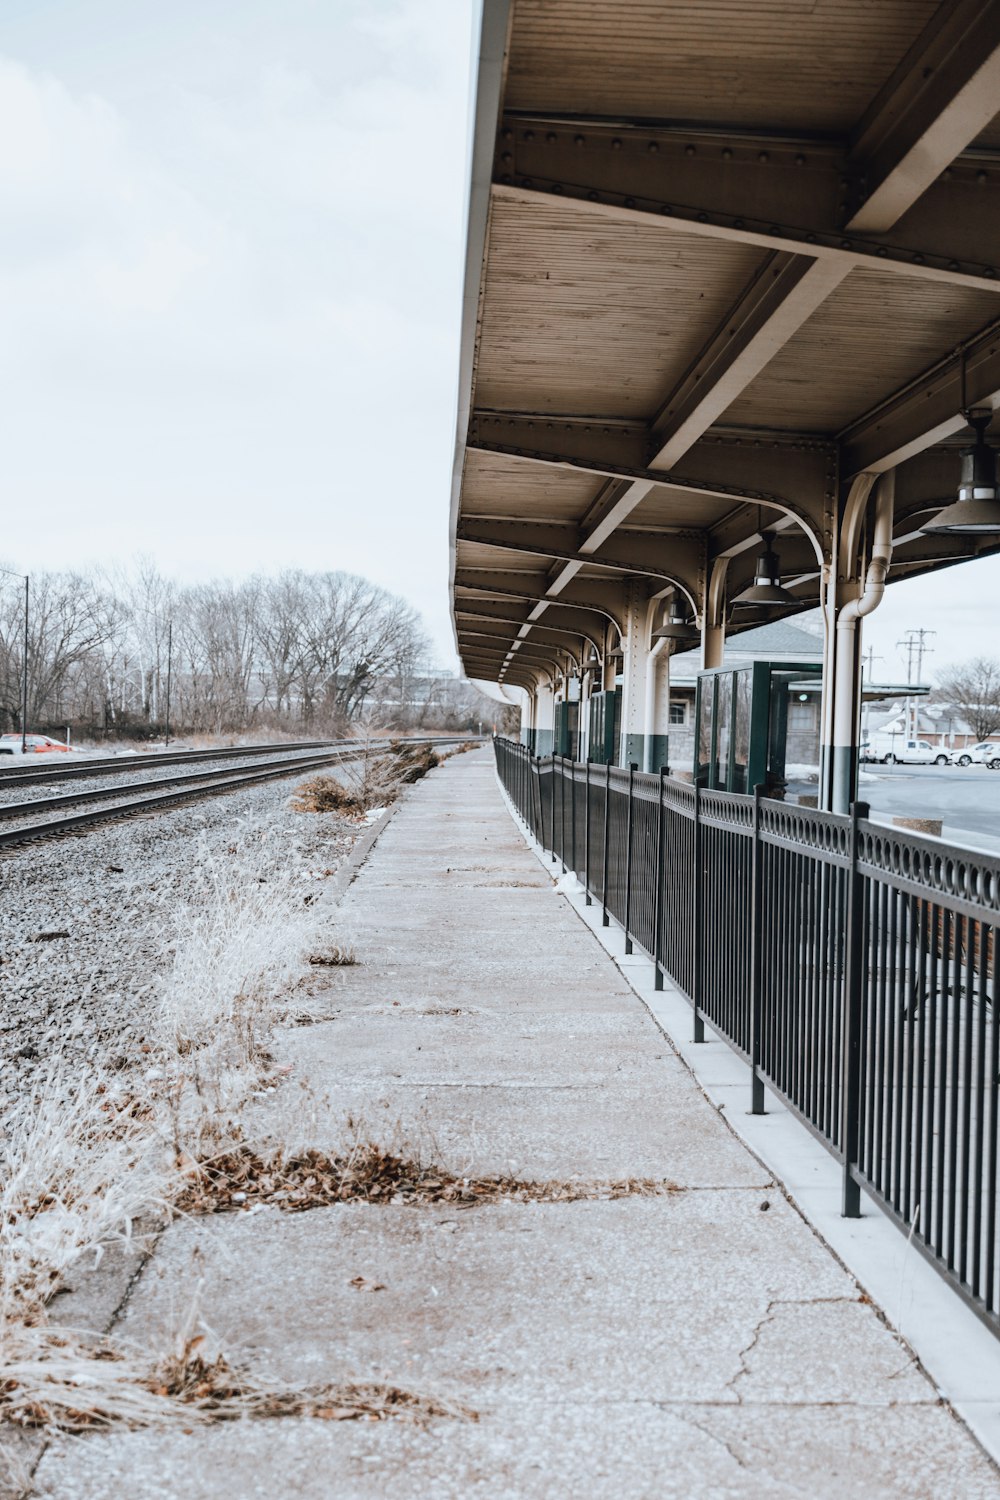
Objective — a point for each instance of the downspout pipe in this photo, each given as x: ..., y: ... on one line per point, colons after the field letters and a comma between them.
x: 847, y: 655
x: 649, y: 706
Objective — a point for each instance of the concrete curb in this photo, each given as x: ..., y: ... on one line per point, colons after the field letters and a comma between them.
x: 959, y: 1353
x: 351, y: 868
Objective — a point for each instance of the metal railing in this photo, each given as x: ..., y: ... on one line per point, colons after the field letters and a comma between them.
x: 850, y: 964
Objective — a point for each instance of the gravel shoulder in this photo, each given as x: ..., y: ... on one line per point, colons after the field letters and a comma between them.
x: 85, y: 921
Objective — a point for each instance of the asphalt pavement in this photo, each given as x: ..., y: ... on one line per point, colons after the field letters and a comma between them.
x: 965, y: 798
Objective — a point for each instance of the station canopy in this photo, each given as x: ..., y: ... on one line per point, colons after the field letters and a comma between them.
x: 722, y: 259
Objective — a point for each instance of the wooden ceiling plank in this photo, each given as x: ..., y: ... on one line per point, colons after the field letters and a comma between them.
x: 943, y: 94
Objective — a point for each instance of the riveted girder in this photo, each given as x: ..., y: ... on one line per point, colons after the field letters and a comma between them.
x: 691, y: 323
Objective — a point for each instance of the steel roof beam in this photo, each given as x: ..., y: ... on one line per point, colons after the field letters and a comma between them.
x: 679, y: 556
x: 780, y: 200
x: 598, y: 595
x: 564, y: 617
x: 926, y: 411
x: 942, y: 95
x: 810, y: 481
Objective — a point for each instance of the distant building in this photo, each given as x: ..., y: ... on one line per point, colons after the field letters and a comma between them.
x: 784, y: 642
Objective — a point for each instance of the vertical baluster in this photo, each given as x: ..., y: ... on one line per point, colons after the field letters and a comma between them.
x: 993, y: 1074
x: 628, y: 858
x: 586, y: 837
x: 607, y: 815
x: 979, y: 1184
x: 658, y: 887
x: 697, y: 902
x: 851, y: 1022
x: 572, y: 816
x: 756, y: 955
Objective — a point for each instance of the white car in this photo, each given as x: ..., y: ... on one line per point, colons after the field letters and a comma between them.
x: 986, y: 753
x: 908, y: 753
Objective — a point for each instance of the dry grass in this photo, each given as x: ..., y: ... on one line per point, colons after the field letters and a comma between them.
x: 375, y: 780
x: 49, y: 1381
x: 80, y: 1160
x: 238, y: 942
x: 335, y: 956
x: 241, y: 1176
x: 324, y: 793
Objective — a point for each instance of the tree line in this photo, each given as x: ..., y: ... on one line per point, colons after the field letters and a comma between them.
x: 972, y: 688
x: 305, y: 652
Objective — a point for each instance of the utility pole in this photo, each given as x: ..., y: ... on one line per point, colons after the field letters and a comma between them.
x: 868, y: 660
x: 24, y: 675
x: 914, y: 643
x: 24, y: 658
x: 170, y: 663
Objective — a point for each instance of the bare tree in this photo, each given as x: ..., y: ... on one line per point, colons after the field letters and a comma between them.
x: 315, y: 651
x: 973, y: 690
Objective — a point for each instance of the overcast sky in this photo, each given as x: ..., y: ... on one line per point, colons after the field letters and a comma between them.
x: 230, y: 272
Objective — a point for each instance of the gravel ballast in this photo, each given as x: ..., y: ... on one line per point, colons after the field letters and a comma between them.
x: 86, y: 921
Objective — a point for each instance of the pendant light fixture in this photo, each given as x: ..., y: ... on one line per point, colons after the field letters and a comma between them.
x: 766, y: 587
x: 677, y: 627
x: 977, y: 509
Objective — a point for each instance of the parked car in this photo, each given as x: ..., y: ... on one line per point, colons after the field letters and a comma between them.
x: 35, y: 744
x: 986, y: 753
x: 894, y: 749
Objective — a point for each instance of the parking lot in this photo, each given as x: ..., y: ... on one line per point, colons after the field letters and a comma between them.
x: 965, y: 798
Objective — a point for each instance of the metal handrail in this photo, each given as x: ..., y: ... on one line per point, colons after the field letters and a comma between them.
x: 852, y: 965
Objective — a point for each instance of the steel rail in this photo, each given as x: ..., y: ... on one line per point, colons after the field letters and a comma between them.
x: 14, y: 775
x: 9, y: 811
x: 159, y: 801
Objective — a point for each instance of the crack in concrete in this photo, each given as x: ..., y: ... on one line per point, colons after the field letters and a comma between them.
x: 766, y: 1317
x: 714, y: 1437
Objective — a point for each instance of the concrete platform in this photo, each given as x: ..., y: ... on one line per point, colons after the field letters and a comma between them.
x: 705, y: 1343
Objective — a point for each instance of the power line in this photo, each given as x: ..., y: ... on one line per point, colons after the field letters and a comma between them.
x: 914, y: 643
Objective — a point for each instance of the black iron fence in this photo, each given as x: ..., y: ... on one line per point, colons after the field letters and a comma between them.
x: 851, y: 965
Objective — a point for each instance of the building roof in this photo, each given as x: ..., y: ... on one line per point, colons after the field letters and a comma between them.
x: 779, y: 641
x: 723, y: 261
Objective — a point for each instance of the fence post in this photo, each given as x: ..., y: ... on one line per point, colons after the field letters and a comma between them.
x: 537, y: 825
x: 552, y: 821
x: 628, y: 856
x: 756, y: 956
x: 697, y: 901
x: 572, y: 817
x: 586, y: 839
x: 851, y: 1020
x: 658, y: 887
x: 605, y: 920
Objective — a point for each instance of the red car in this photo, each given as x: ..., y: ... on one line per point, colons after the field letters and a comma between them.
x: 36, y: 744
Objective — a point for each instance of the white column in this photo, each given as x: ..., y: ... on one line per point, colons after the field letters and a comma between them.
x: 527, y: 716
x: 545, y: 720
x: 635, y: 644
x: 657, y: 714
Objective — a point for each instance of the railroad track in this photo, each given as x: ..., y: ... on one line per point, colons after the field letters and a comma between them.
x: 13, y: 774
x: 154, y: 796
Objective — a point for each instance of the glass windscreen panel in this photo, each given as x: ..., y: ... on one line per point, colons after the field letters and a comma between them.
x: 723, y: 729
x: 743, y: 689
x: 703, y: 736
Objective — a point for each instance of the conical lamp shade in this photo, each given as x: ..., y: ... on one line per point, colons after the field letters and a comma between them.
x: 677, y: 628
x: 766, y: 587
x: 977, y: 509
